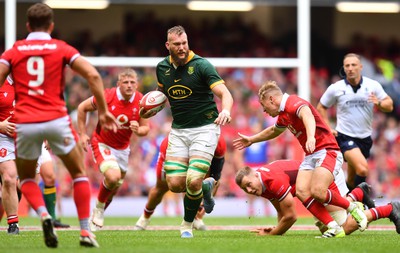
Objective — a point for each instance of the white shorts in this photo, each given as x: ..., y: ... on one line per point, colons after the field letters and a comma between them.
x: 43, y: 158
x: 340, y: 182
x: 7, y: 148
x: 193, y: 141
x: 104, y: 152
x: 329, y: 159
x: 59, y: 133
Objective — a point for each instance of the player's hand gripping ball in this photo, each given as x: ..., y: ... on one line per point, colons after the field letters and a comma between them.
x: 152, y: 103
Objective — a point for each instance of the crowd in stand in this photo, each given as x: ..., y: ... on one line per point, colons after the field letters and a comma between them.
x: 234, y: 38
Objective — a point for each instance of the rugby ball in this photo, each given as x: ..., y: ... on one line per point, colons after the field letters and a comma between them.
x: 154, y: 101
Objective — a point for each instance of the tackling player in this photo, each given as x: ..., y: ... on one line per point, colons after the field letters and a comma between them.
x: 276, y: 181
x: 323, y: 158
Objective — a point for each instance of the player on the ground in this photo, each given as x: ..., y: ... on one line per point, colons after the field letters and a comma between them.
x: 37, y: 66
x: 157, y: 192
x: 276, y: 181
x: 8, y: 170
x: 322, y: 154
x: 111, y: 149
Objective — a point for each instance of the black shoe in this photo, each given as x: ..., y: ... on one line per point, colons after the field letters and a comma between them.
x: 394, y: 215
x: 367, y: 200
x: 13, y: 229
x: 50, y: 237
x: 58, y: 224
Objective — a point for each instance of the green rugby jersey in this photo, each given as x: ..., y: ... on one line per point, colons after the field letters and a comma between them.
x: 188, y: 89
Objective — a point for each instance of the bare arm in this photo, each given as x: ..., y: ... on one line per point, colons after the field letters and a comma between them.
x: 83, y: 108
x: 308, y: 119
x: 140, y: 128
x: 4, y: 71
x: 286, y: 210
x: 223, y: 93
x: 265, y: 135
x: 84, y: 68
x: 384, y: 105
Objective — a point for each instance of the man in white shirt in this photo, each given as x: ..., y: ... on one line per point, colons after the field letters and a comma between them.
x: 355, y: 97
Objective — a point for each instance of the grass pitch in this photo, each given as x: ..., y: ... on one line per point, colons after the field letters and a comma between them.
x: 117, y: 237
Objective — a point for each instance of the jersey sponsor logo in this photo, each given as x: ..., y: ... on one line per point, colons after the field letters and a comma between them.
x: 37, y: 47
x: 177, y: 80
x: 179, y: 92
x: 122, y: 119
x: 190, y: 70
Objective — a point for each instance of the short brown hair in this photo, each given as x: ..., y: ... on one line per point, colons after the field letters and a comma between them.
x: 241, y: 174
x: 352, y: 55
x: 176, y: 30
x: 40, y: 16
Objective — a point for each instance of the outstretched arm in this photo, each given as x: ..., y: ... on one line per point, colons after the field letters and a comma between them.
x: 267, y: 134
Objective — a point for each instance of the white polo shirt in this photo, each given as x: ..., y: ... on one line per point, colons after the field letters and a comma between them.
x: 354, y: 112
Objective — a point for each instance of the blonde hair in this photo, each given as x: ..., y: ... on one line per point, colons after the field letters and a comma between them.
x: 127, y: 73
x: 268, y: 88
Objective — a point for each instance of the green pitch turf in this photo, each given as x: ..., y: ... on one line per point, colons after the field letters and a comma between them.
x: 221, y: 241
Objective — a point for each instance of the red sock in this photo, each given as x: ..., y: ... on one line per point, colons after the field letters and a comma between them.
x: 357, y: 194
x: 110, y: 198
x: 380, y: 212
x: 334, y: 198
x: 1, y: 210
x: 32, y: 193
x: 82, y: 197
x: 104, y: 193
x: 318, y: 210
x: 147, y: 212
x: 12, y: 219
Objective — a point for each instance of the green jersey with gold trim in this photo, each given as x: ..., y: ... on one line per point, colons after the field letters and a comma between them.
x: 188, y: 89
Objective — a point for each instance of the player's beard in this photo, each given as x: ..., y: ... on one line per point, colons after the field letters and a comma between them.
x: 179, y: 61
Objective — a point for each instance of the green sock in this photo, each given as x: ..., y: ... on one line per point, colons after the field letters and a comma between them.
x: 191, y: 207
x: 49, y: 194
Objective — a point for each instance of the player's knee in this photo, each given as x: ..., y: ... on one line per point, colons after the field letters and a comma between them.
x: 9, y: 182
x: 318, y: 193
x: 194, y: 185
x: 176, y: 184
x: 362, y: 171
x: 302, y: 194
